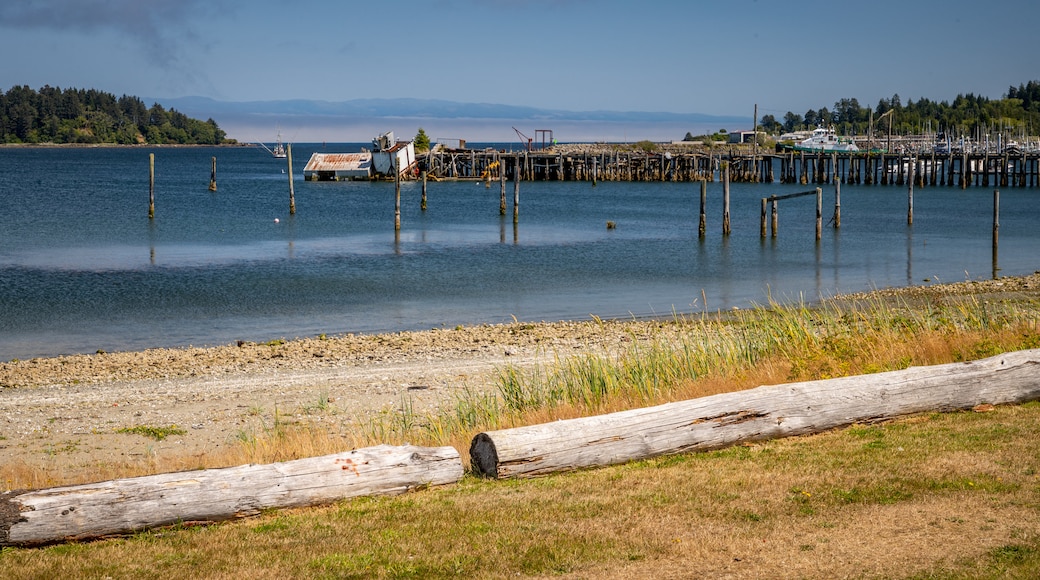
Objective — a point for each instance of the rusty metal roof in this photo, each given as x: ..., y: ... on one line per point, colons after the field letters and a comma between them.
x: 339, y: 162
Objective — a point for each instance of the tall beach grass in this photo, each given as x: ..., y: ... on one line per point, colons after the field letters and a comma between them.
x: 680, y: 358
x: 693, y: 356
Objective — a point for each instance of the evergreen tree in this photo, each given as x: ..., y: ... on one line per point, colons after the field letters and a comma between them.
x: 422, y: 141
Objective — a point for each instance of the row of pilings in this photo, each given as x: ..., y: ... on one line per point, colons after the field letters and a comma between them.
x: 955, y: 170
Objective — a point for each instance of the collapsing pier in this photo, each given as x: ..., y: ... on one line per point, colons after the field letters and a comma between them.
x: 869, y: 168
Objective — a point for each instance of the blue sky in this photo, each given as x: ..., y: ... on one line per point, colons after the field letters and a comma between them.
x: 715, y: 57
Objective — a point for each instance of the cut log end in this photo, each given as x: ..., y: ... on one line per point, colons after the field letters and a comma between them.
x: 483, y: 456
x: 10, y: 514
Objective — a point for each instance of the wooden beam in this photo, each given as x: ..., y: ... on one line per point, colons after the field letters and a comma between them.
x: 767, y: 412
x: 791, y: 195
x: 120, y: 506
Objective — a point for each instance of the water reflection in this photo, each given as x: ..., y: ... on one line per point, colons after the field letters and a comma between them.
x: 909, y: 256
x: 152, y: 234
x: 836, y: 258
x: 69, y: 259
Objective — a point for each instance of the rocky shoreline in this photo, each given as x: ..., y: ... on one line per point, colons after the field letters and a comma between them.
x: 355, y: 349
x: 71, y: 414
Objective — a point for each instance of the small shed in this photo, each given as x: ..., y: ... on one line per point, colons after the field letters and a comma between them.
x: 403, y: 152
x: 338, y: 166
x: 744, y: 136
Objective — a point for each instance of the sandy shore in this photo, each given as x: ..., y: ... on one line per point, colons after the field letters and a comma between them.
x: 65, y: 412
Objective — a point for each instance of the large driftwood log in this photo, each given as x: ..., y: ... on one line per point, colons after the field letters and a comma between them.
x: 763, y: 413
x: 115, y: 507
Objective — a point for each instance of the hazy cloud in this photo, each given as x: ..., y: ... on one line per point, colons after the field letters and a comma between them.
x: 160, y: 27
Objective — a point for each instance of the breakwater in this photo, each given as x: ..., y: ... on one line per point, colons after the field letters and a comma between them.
x: 745, y: 166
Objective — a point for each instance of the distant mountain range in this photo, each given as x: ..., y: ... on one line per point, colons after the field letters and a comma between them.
x: 425, y: 108
x: 359, y: 120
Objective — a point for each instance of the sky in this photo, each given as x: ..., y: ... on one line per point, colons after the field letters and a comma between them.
x: 679, y: 56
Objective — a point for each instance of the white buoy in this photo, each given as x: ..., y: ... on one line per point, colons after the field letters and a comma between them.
x: 275, y: 220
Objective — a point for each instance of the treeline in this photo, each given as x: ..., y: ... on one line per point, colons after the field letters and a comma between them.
x: 53, y: 115
x: 969, y: 115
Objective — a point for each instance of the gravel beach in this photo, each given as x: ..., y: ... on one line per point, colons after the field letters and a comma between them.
x: 66, y: 412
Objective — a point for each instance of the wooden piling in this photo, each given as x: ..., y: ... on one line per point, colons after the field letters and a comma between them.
x: 819, y: 213
x: 213, y: 175
x: 423, y: 204
x: 516, y: 192
x: 964, y: 170
x: 292, y: 193
x: 775, y: 221
x: 837, y: 204
x: 702, y: 228
x: 502, y: 188
x: 910, y: 196
x: 725, y: 198
x: 151, y: 186
x: 397, y: 195
x: 762, y: 225
x: 932, y: 177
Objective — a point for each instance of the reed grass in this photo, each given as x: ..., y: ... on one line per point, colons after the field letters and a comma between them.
x: 676, y: 359
x: 694, y: 356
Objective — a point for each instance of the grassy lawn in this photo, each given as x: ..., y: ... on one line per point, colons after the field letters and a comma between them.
x: 931, y: 496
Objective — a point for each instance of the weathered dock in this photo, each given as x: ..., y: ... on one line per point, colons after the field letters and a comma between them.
x: 869, y: 168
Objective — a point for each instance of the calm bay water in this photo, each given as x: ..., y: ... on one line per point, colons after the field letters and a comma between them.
x: 82, y: 267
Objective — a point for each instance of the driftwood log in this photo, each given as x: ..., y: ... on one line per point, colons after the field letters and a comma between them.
x: 762, y: 413
x: 119, y: 506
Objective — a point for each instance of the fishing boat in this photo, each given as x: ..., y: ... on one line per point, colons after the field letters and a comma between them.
x: 278, y: 152
x: 823, y: 139
x: 279, y: 149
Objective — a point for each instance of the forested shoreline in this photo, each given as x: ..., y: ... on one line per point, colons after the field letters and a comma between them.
x: 1018, y: 111
x: 53, y: 115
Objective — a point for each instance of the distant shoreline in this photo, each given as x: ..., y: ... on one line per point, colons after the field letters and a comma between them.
x: 114, y: 145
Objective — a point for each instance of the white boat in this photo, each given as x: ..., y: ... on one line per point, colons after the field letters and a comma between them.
x: 279, y: 150
x: 825, y: 140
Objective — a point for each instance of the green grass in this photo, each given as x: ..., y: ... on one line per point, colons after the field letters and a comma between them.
x: 157, y: 433
x: 962, y: 500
